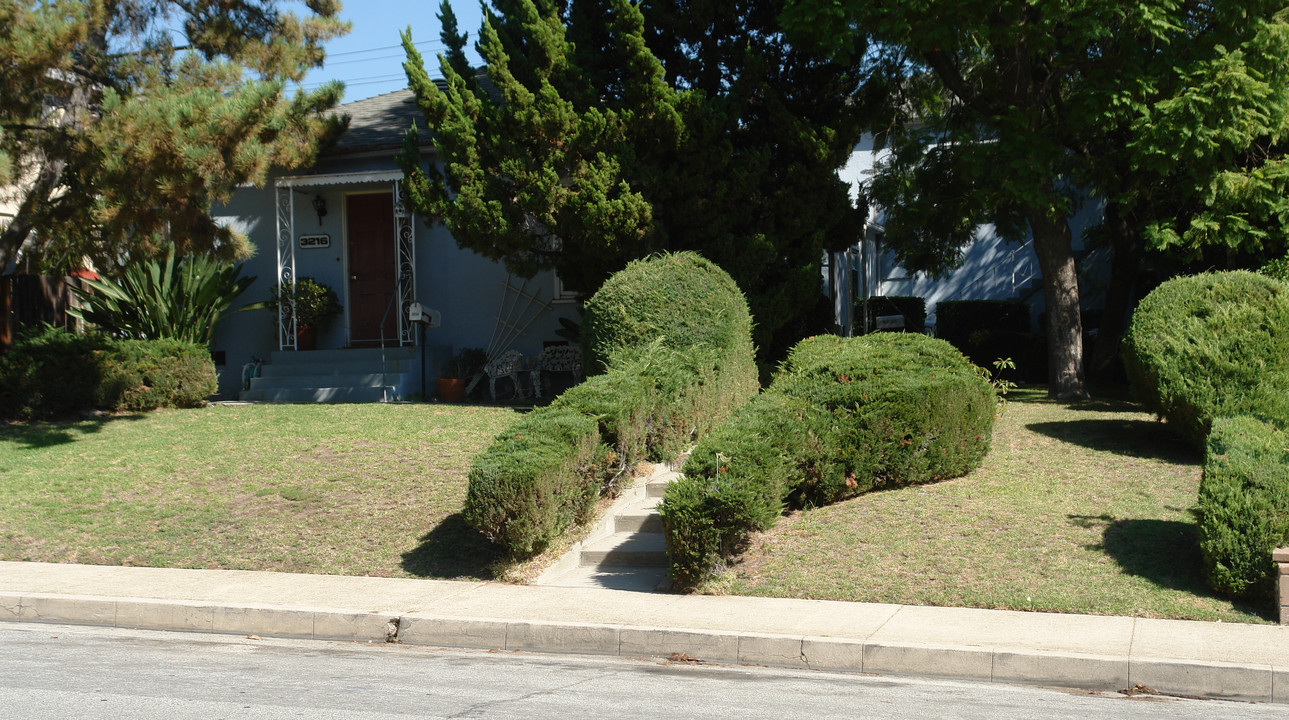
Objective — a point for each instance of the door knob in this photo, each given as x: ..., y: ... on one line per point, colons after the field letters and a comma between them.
x: 353, y: 277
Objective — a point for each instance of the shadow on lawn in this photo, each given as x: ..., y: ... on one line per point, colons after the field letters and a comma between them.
x: 1135, y: 438
x: 37, y: 435
x: 452, y: 550
x: 1165, y: 552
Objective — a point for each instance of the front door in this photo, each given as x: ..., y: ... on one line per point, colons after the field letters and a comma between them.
x: 369, y: 229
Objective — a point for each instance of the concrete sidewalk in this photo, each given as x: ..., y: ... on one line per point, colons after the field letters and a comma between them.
x: 1105, y: 653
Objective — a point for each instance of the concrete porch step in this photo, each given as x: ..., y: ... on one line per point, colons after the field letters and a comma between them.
x: 318, y: 395
x: 371, y: 379
x: 347, y: 367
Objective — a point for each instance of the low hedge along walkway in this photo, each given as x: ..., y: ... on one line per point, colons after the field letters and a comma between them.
x: 843, y: 416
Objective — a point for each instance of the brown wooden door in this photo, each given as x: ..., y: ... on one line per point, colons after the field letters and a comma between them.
x: 369, y: 229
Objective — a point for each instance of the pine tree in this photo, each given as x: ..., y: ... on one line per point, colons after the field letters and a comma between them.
x: 604, y: 133
x: 122, y: 121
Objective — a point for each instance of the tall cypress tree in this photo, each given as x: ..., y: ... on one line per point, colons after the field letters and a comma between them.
x: 607, y: 131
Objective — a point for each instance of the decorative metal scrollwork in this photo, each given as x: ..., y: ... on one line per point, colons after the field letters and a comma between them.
x: 285, y: 267
x: 406, y: 253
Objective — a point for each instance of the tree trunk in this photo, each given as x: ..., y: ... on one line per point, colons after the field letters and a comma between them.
x: 1124, y: 268
x: 1061, y: 292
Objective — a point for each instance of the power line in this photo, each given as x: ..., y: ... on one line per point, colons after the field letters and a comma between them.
x: 383, y: 47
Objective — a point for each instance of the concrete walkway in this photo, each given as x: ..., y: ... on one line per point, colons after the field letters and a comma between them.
x: 1105, y: 653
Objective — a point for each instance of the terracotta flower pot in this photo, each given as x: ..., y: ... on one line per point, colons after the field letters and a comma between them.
x: 451, y: 389
x: 306, y: 338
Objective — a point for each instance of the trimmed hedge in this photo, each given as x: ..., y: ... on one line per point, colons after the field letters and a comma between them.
x: 842, y: 417
x: 1243, y: 510
x: 52, y: 373
x: 1212, y: 345
x: 682, y: 301
x: 544, y: 474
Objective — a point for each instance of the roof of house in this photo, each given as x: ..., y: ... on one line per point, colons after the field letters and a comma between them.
x: 378, y: 123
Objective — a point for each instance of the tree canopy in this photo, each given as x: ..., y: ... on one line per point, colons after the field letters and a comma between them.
x: 1012, y: 111
x: 122, y: 121
x: 605, y: 130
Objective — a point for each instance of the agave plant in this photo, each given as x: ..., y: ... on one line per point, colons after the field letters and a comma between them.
x: 178, y: 297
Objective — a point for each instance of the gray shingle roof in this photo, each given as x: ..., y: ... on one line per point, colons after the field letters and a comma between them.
x: 378, y: 123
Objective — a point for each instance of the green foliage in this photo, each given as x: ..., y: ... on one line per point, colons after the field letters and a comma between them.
x: 1174, y: 112
x: 1278, y: 269
x: 165, y: 107
x: 1243, y: 509
x: 607, y: 130
x: 679, y: 300
x: 681, y: 366
x: 1211, y: 345
x: 912, y: 309
x: 149, y: 374
x: 179, y: 298
x: 536, y: 480
x: 843, y: 416
x: 316, y: 304
x: 52, y: 373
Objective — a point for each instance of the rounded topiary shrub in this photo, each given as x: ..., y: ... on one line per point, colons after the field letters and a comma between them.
x: 679, y: 300
x: 843, y: 416
x: 1211, y: 345
x: 1243, y: 509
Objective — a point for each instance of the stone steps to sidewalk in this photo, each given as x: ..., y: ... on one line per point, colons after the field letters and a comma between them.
x: 626, y: 550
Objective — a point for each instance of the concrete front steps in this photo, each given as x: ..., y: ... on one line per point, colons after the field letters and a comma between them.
x: 336, y: 376
x: 626, y: 550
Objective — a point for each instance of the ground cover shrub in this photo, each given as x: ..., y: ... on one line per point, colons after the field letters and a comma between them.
x: 912, y: 309
x: 674, y: 363
x: 1243, y: 509
x: 149, y: 374
x: 842, y: 417
x: 51, y: 373
x: 1211, y: 345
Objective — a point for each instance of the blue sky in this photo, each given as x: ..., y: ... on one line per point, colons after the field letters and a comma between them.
x: 369, y: 59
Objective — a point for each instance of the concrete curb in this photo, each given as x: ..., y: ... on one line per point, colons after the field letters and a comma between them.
x: 986, y: 663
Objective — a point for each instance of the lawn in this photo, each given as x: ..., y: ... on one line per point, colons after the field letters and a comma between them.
x: 1080, y: 508
x: 334, y: 489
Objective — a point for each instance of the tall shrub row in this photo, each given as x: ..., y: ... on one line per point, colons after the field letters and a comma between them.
x: 53, y: 373
x: 1210, y: 355
x: 670, y: 339
x: 842, y: 417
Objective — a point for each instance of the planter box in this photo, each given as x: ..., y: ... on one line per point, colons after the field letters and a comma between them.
x: 1281, y: 558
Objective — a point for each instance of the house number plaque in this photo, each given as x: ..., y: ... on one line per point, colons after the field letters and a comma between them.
x: 321, y: 240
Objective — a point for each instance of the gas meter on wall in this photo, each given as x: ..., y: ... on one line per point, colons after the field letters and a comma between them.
x: 418, y: 313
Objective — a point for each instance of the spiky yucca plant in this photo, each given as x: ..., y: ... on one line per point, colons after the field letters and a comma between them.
x: 177, y: 297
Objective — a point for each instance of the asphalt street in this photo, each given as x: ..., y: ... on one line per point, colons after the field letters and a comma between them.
x: 52, y: 671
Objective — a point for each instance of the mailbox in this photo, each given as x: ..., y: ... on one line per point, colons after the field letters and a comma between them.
x: 418, y: 313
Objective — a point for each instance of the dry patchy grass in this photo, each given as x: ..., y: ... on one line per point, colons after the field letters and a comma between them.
x: 332, y: 489
x: 1080, y: 508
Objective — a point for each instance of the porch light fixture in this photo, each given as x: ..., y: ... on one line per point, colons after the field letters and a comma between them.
x: 320, y: 207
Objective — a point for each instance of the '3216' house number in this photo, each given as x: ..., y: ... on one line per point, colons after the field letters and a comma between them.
x: 321, y: 240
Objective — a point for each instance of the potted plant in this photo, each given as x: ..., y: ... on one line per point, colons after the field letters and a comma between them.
x: 463, y: 366
x: 316, y: 306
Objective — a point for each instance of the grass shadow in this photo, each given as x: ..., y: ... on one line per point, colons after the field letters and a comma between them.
x: 1134, y: 438
x: 452, y: 551
x: 1165, y: 552
x: 37, y: 435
